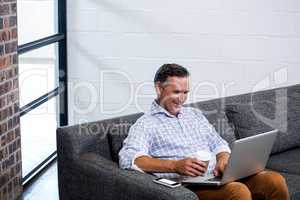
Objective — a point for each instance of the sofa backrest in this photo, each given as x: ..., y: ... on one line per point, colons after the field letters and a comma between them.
x: 118, y: 132
x: 263, y: 111
x: 72, y: 141
x: 277, y: 108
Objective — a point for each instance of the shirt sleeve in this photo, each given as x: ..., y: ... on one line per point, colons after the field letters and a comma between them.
x: 215, y: 142
x: 135, y: 145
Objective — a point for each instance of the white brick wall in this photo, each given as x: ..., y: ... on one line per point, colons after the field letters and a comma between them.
x: 245, y: 45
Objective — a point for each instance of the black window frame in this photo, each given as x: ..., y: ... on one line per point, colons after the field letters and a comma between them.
x: 61, y: 90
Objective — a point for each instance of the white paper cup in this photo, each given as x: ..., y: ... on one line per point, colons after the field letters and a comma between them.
x: 203, y: 156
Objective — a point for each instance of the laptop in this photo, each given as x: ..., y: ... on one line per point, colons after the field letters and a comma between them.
x: 248, y: 156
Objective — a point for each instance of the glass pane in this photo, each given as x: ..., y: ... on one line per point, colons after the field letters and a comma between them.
x: 36, y: 19
x: 38, y: 129
x: 38, y: 73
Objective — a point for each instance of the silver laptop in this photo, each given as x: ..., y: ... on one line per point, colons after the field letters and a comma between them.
x: 249, y: 156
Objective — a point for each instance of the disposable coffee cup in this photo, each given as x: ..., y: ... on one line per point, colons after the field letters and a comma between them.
x: 203, y: 156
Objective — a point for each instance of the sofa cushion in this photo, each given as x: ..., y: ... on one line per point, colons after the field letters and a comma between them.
x: 288, y: 161
x: 118, y: 131
x: 116, y: 136
x: 262, y: 116
x: 220, y: 123
x: 292, y: 181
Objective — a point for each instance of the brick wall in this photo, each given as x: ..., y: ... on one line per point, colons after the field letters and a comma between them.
x: 10, y: 141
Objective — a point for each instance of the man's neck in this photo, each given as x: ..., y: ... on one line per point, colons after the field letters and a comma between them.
x: 157, y: 100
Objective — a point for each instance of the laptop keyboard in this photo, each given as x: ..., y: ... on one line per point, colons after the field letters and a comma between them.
x: 217, y: 178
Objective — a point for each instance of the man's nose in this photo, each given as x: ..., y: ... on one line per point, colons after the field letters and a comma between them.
x: 182, y: 98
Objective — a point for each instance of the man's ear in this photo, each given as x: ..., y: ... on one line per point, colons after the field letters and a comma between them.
x: 158, y: 89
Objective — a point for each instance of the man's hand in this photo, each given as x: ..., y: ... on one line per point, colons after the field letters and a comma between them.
x: 190, y: 167
x: 222, y: 160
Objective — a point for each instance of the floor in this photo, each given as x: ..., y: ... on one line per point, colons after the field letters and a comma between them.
x: 45, y: 187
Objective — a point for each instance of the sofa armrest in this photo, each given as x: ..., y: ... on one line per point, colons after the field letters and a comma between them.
x: 103, y: 179
x: 72, y: 141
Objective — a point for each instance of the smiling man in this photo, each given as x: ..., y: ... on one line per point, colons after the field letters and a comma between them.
x: 164, y: 141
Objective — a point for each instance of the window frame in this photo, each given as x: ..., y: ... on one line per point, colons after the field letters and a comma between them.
x: 61, y: 91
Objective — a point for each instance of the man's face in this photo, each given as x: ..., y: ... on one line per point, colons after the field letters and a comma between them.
x: 173, y: 93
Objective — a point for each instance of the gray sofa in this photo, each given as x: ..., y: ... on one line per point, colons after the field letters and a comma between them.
x: 88, y: 153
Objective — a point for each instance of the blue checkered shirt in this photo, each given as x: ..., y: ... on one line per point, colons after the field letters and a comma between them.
x: 161, y: 135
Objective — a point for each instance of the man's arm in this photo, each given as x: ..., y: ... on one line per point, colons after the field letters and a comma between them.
x: 187, y: 166
x: 136, y: 144
x: 215, y: 142
x: 222, y: 161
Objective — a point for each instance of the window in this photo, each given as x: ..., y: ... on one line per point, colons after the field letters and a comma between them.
x: 38, y: 66
x: 42, y: 80
x: 36, y: 19
x: 38, y: 128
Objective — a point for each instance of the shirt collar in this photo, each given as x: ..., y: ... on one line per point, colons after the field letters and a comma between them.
x: 158, y: 109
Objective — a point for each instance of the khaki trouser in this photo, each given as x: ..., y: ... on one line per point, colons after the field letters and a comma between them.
x: 266, y: 185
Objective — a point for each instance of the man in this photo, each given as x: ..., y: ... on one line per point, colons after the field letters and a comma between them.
x: 163, y: 142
